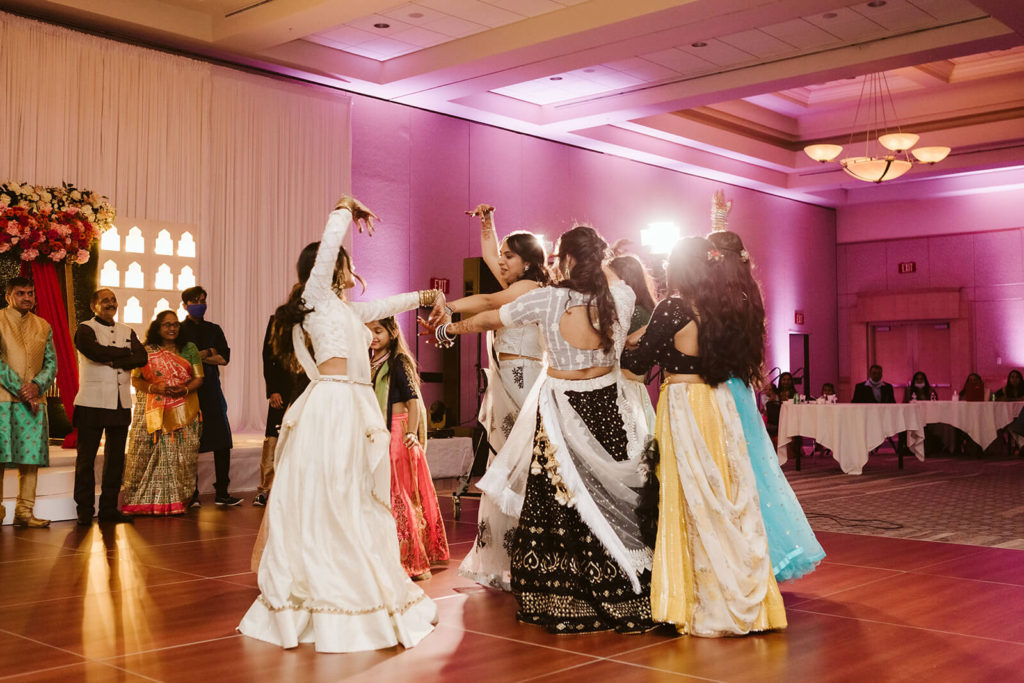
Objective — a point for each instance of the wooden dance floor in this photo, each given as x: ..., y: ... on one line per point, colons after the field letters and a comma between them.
x: 160, y: 600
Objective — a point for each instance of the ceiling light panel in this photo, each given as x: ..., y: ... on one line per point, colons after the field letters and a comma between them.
x: 717, y: 52
x: 475, y: 11
x: 949, y: 10
x: 679, y: 61
x: 896, y: 15
x: 844, y: 23
x: 757, y: 43
x: 415, y: 26
x: 801, y: 34
x: 570, y: 85
x: 530, y: 8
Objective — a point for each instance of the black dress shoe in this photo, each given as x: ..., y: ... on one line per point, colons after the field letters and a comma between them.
x: 115, y: 517
x: 84, y: 520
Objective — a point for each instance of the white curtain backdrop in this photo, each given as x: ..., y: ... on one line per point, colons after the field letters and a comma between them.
x: 254, y: 162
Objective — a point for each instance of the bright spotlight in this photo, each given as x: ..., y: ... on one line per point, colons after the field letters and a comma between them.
x: 660, y: 237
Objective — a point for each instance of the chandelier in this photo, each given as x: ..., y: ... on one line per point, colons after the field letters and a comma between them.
x: 876, y: 165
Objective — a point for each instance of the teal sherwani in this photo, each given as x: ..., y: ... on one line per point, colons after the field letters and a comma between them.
x: 24, y: 435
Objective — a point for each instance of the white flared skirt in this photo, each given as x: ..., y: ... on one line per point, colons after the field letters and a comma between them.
x: 508, y: 384
x: 331, y: 573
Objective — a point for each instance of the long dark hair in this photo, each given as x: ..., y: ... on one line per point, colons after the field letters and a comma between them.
x: 588, y: 250
x: 528, y: 247
x: 153, y: 337
x: 925, y: 392
x: 294, y: 311
x: 632, y: 271
x: 714, y: 276
x: 399, y: 349
x: 1014, y: 392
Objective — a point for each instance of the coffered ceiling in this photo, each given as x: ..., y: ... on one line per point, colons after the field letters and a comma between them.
x: 727, y: 89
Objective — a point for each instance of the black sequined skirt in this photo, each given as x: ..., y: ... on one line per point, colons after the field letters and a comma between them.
x: 562, y: 577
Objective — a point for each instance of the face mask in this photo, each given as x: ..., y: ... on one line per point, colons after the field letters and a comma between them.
x: 919, y: 385
x: 196, y: 310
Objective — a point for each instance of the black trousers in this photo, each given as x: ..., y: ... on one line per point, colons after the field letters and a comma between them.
x: 221, y: 467
x: 85, y: 467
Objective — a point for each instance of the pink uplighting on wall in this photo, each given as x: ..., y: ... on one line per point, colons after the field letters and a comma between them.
x: 420, y: 171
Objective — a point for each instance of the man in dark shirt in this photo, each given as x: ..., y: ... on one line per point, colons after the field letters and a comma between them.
x: 214, y: 351
x: 874, y: 390
x: 108, y: 351
x: 283, y: 387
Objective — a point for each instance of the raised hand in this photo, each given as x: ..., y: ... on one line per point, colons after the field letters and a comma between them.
x: 361, y: 215
x: 485, y: 212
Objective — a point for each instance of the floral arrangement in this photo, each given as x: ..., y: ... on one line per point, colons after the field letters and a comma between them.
x: 55, y: 223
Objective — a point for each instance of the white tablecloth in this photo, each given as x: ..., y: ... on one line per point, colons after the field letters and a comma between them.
x: 449, y: 457
x: 852, y: 430
x: 981, y: 420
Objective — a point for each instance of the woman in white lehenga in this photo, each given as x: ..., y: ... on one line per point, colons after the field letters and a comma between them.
x: 330, y: 573
x: 519, y: 265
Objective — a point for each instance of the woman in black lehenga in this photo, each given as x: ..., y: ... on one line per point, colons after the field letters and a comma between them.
x: 578, y: 561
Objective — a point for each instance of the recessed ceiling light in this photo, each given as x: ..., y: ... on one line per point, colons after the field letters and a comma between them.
x: 829, y: 15
x: 416, y: 15
x: 877, y: 3
x: 382, y: 25
x: 699, y: 43
x: 555, y: 78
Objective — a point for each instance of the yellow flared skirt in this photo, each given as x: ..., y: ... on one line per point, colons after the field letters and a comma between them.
x: 711, y: 574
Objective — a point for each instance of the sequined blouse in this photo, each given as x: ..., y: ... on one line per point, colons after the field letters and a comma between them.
x: 657, y: 346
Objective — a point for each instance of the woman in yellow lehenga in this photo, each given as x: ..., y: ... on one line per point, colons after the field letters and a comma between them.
x: 712, y: 573
x: 163, y: 444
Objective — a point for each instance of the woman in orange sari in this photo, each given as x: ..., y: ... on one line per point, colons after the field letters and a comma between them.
x: 163, y: 445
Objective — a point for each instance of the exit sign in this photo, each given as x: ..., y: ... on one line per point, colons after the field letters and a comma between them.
x: 798, y: 318
x: 907, y: 267
x: 440, y: 283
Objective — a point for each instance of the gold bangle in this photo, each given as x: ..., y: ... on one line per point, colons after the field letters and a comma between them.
x: 428, y: 297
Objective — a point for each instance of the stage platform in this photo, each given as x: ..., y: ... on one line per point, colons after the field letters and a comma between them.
x: 55, y: 490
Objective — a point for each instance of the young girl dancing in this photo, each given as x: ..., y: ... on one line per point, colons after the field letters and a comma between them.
x: 396, y: 383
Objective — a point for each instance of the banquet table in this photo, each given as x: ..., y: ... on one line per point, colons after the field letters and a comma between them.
x: 852, y: 430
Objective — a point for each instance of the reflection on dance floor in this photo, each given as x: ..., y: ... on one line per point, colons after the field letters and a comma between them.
x: 161, y: 599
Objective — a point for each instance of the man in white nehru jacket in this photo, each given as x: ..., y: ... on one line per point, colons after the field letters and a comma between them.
x: 107, y: 353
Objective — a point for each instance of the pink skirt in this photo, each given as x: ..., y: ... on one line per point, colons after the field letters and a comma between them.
x: 421, y: 536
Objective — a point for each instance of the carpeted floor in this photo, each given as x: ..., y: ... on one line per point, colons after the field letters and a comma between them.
x: 951, y: 500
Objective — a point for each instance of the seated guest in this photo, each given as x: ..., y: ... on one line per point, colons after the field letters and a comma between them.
x: 874, y: 390
x: 828, y: 390
x: 919, y: 389
x: 1014, y: 388
x: 974, y: 388
x: 787, y: 388
x: 163, y: 444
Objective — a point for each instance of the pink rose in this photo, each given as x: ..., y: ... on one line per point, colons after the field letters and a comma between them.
x: 4, y: 247
x: 58, y: 255
x: 29, y: 255
x: 82, y: 256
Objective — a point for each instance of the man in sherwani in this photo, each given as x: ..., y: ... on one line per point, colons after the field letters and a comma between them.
x: 28, y: 366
